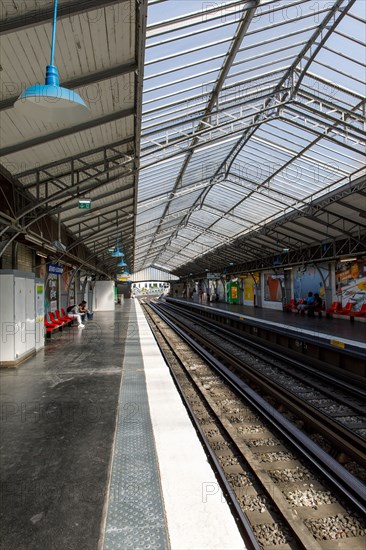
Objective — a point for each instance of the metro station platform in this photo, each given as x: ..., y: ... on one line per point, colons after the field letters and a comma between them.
x: 98, y: 451
x: 333, y: 332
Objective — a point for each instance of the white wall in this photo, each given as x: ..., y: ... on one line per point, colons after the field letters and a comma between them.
x: 104, y: 296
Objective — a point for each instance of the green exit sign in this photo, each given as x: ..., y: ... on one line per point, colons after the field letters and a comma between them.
x: 85, y: 204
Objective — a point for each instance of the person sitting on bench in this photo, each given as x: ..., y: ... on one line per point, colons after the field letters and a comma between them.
x: 85, y: 311
x: 301, y: 308
x: 316, y: 306
x: 73, y: 312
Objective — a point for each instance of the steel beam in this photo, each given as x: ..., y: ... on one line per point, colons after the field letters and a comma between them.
x: 111, y: 117
x: 32, y: 18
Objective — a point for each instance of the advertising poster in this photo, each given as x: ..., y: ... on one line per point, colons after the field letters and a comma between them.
x: 52, y: 282
x: 232, y: 292
x: 249, y: 287
x: 272, y: 288
x: 351, y: 283
x: 39, y: 303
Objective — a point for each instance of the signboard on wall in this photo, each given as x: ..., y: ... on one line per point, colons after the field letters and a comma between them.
x: 55, y: 269
x: 213, y: 275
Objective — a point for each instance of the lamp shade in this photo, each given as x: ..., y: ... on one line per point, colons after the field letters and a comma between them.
x: 122, y: 263
x: 117, y: 253
x: 50, y: 103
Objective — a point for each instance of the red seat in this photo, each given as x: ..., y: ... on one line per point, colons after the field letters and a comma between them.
x: 290, y: 306
x: 64, y: 319
x: 334, y: 308
x: 346, y: 310
x: 361, y: 313
x: 47, y: 323
x: 55, y: 321
x: 50, y: 327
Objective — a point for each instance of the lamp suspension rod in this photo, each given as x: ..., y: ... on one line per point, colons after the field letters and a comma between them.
x: 53, y: 42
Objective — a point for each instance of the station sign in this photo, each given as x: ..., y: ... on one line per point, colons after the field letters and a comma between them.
x: 213, y: 275
x: 55, y: 269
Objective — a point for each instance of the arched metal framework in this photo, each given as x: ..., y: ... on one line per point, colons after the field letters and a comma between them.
x: 221, y: 133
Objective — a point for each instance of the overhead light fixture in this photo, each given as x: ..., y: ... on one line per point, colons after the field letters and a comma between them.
x: 49, y: 102
x: 122, y: 263
x: 348, y: 259
x: 287, y: 268
x: 285, y: 250
x: 32, y: 239
x: 41, y: 254
x: 59, y: 246
x: 117, y: 253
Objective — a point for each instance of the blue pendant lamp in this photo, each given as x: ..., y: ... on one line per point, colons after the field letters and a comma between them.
x: 49, y: 102
x: 122, y: 263
x: 117, y: 253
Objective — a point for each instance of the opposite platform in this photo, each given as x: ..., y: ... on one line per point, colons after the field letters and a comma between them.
x: 353, y: 335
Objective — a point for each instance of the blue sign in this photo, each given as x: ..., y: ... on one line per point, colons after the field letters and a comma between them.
x: 56, y: 269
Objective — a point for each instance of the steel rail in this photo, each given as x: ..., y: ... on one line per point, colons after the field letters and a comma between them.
x: 335, y: 432
x: 360, y: 390
x: 344, y: 482
x: 244, y: 524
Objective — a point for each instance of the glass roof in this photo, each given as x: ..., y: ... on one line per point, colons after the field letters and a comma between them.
x: 251, y: 110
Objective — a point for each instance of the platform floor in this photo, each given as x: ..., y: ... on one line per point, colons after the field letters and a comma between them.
x: 338, y: 329
x: 98, y: 452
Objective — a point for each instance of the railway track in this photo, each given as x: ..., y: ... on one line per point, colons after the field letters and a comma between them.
x: 334, y: 409
x: 277, y: 479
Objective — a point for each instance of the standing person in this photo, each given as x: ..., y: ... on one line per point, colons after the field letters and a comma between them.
x: 73, y: 312
x: 200, y: 294
x: 84, y: 310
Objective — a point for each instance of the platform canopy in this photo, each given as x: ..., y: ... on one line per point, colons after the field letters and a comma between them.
x: 99, y: 55
x: 220, y: 132
x: 253, y: 130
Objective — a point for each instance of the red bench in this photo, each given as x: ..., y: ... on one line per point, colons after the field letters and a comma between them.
x: 358, y: 314
x: 64, y: 319
x: 333, y: 308
x: 290, y: 306
x: 346, y: 310
x: 50, y: 327
x: 54, y: 320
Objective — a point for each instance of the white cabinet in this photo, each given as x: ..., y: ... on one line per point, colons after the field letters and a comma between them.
x: 104, y: 296
x: 17, y: 316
